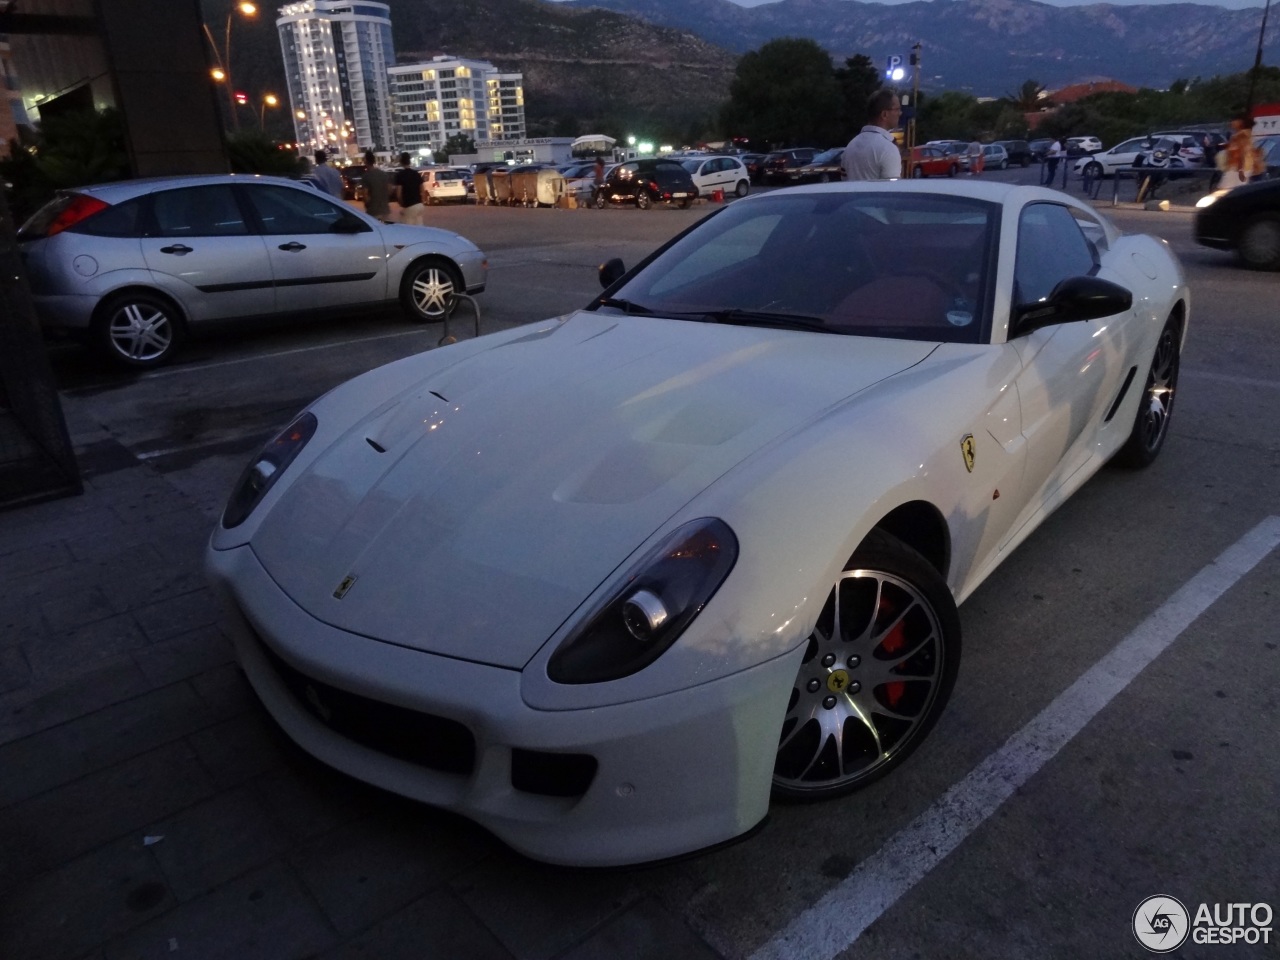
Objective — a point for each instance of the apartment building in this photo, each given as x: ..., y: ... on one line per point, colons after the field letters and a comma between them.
x: 336, y: 57
x: 434, y: 100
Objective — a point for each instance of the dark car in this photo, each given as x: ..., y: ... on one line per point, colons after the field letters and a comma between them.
x: 779, y: 162
x: 1245, y: 219
x: 1019, y: 151
x: 646, y: 182
x: 352, y: 181
x: 1040, y: 148
x: 754, y: 162
x: 823, y: 168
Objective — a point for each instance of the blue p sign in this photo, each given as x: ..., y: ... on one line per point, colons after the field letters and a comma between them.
x: 894, y: 70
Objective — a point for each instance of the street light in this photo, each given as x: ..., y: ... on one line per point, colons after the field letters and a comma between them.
x: 270, y: 100
x: 222, y: 72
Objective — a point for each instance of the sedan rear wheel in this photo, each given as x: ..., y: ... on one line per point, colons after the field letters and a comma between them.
x: 139, y: 329
x: 1259, y: 245
x: 429, y: 289
x: 1151, y: 425
x: 876, y: 674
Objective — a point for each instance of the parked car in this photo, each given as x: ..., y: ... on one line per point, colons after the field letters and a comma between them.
x: 1177, y: 150
x: 995, y: 157
x: 730, y: 508
x: 1270, y: 148
x: 1123, y: 154
x: 352, y: 181
x: 933, y: 161
x: 754, y: 162
x: 823, y: 168
x: 1040, y: 148
x: 1082, y: 145
x: 718, y: 173
x: 646, y: 182
x: 443, y: 183
x: 1245, y: 219
x: 138, y: 265
x: 779, y: 162
x: 1019, y: 151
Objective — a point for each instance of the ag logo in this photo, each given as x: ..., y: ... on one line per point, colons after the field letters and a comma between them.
x: 969, y: 449
x: 1161, y: 924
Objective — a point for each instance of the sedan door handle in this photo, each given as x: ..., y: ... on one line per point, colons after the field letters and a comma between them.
x: 178, y: 248
x: 293, y: 246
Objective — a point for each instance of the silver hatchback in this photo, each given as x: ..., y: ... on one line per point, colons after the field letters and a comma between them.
x: 139, y: 264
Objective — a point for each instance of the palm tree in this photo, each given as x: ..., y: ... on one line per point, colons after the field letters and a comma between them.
x: 1029, y: 98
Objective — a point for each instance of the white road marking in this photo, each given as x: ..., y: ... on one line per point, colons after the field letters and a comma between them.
x: 832, y: 924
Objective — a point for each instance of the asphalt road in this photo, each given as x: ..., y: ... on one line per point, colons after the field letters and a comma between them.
x: 1156, y: 773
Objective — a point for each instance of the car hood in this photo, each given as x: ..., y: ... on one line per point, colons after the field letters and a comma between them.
x: 404, y: 235
x: 473, y: 514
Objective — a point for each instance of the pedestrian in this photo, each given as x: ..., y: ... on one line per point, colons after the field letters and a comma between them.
x: 408, y: 184
x: 1051, y: 160
x: 974, y: 153
x: 377, y: 189
x: 599, y: 177
x: 873, y: 154
x: 1240, y: 159
x: 1210, y: 147
x: 329, y: 179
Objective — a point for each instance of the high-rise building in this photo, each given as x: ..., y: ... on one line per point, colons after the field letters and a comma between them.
x: 445, y: 96
x: 336, y: 55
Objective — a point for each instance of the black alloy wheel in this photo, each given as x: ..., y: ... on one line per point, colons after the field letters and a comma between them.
x: 876, y: 674
x: 1259, y: 244
x: 1151, y: 424
x: 601, y: 200
x: 138, y: 329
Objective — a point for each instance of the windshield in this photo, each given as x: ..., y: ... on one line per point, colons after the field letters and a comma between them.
x: 883, y: 264
x: 827, y: 156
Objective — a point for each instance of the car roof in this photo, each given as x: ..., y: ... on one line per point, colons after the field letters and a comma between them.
x: 127, y: 189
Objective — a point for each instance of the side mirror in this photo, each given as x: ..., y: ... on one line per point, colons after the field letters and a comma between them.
x: 1072, y: 300
x: 611, y: 271
x: 349, y: 223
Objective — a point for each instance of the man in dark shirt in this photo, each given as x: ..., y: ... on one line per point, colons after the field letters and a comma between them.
x: 408, y: 184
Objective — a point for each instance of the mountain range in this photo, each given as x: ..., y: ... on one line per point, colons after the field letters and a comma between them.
x: 665, y: 65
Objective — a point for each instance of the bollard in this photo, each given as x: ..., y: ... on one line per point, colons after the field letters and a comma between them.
x: 717, y: 196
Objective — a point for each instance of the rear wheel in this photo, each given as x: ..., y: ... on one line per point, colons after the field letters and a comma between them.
x: 876, y: 674
x: 138, y: 329
x: 1004, y: 164
x: 917, y: 172
x: 686, y: 203
x: 1151, y: 425
x: 1259, y: 245
x: 953, y: 170
x: 429, y: 289
x: 643, y: 201
x: 743, y: 188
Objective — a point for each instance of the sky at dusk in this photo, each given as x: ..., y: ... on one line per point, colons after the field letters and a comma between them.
x: 1225, y: 4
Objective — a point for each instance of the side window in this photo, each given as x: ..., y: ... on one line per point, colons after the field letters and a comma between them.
x: 198, y: 212
x: 1092, y: 229
x: 121, y: 220
x: 1051, y: 248
x: 283, y: 210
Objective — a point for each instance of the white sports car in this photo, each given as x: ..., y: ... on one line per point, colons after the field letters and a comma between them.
x: 606, y: 583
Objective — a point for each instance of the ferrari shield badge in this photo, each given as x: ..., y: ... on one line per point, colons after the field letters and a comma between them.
x: 967, y: 448
x: 350, y: 579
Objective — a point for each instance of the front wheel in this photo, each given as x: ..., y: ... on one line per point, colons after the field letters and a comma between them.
x: 1151, y: 425
x: 954, y: 169
x: 601, y: 202
x: 917, y: 172
x: 429, y: 289
x: 876, y: 674
x: 742, y: 189
x: 643, y: 201
x: 1093, y: 170
x: 1004, y: 164
x: 1259, y: 246
x: 138, y: 329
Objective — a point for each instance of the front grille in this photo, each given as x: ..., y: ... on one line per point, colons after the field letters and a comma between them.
x: 421, y: 738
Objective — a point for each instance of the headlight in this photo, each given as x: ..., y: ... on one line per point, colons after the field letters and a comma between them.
x: 266, y: 468
x: 1211, y: 199
x: 658, y: 599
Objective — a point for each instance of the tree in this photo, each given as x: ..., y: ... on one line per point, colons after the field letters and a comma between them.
x: 1029, y: 97
x: 857, y: 80
x: 69, y: 151
x: 785, y: 93
x: 458, y: 143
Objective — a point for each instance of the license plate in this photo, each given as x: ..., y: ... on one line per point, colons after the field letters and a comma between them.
x: 679, y: 195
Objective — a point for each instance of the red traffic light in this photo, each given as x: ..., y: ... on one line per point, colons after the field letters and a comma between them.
x: 242, y: 98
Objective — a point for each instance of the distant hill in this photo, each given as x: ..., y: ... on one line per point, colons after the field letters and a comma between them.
x: 988, y: 47
x: 585, y: 70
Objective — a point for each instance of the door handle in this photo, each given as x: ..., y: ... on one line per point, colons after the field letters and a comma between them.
x: 177, y: 248
x: 293, y: 246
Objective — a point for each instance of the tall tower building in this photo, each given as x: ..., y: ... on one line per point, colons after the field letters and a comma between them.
x: 336, y: 56
x: 445, y: 96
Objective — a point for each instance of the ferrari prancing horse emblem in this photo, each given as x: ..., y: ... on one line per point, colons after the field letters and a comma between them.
x: 967, y: 447
x: 344, y: 586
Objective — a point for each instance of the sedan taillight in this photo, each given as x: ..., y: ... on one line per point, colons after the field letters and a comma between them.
x: 79, y: 209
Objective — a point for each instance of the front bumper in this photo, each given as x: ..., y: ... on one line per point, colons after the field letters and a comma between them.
x: 672, y: 774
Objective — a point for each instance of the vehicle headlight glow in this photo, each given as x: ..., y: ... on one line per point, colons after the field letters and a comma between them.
x: 1211, y: 199
x: 265, y: 469
x: 657, y: 600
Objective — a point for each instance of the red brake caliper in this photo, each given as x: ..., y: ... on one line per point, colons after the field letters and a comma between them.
x: 893, y: 641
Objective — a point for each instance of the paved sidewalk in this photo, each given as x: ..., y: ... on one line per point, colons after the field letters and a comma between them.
x: 150, y: 808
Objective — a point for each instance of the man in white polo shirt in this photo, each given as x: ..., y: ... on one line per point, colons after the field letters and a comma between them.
x: 872, y: 154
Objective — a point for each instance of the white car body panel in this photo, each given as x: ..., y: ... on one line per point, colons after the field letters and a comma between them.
x: 526, y: 471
